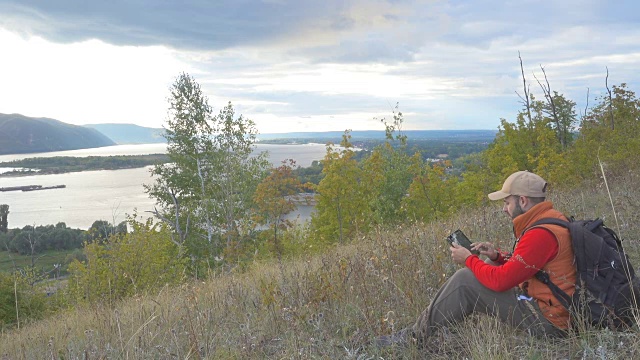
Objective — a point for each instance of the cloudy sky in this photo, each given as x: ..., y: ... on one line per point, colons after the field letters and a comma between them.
x: 305, y: 65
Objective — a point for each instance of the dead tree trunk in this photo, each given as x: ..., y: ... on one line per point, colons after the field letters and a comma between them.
x: 4, y: 213
x: 527, y: 98
x: 606, y: 83
x: 546, y: 89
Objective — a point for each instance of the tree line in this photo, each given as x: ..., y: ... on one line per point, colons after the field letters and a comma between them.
x: 34, y: 240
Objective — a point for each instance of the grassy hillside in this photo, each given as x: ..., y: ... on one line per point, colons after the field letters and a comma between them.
x: 22, y: 134
x: 330, y: 305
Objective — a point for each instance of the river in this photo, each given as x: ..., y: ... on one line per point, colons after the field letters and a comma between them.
x: 110, y: 194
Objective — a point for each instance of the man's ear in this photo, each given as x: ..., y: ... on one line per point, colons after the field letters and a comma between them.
x: 524, y: 202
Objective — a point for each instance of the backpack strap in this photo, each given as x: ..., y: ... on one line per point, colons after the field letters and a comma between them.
x: 562, y: 296
x: 550, y: 221
x: 542, y: 276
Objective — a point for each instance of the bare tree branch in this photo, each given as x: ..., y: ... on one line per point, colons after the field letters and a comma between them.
x: 606, y: 83
x: 586, y: 106
x: 546, y: 89
x: 163, y: 218
x: 586, y: 109
x: 526, y: 98
x: 583, y: 116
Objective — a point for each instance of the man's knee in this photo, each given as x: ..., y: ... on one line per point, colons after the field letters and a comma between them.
x: 464, y: 276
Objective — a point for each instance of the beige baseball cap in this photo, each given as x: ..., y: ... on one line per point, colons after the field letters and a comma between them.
x: 522, y: 183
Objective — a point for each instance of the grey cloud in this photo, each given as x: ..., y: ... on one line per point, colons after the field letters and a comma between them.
x: 343, y: 23
x: 526, y: 19
x: 320, y: 31
x: 305, y: 27
x: 189, y: 24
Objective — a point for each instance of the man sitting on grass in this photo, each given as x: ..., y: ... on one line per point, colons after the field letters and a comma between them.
x: 505, y: 285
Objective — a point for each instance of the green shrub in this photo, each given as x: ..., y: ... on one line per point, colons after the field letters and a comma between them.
x: 127, y: 264
x: 31, y: 302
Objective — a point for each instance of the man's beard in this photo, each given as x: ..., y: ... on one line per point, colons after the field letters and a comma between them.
x: 517, y: 211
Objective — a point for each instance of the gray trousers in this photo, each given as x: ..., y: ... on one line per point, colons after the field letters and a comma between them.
x: 463, y: 295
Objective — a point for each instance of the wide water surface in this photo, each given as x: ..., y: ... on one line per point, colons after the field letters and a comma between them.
x: 109, y: 194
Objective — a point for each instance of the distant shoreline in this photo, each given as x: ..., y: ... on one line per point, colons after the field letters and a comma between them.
x: 67, y: 164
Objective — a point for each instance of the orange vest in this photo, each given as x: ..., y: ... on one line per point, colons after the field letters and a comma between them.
x: 561, y: 268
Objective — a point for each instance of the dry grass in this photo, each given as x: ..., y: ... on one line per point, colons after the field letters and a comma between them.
x: 330, y: 306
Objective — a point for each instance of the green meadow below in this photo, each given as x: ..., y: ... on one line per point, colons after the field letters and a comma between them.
x: 44, y: 261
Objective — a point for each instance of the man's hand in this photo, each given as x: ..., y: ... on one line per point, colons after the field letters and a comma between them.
x: 486, y: 248
x: 459, y: 254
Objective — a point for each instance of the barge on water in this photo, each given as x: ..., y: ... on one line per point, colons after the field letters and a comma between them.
x: 31, y: 187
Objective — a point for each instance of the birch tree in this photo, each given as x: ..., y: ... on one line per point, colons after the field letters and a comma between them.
x: 205, y: 191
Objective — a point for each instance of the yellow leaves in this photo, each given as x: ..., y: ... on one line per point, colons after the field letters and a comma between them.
x: 275, y: 197
x: 429, y: 194
x: 341, y: 199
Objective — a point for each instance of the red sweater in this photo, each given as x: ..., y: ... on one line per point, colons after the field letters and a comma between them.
x: 536, y: 247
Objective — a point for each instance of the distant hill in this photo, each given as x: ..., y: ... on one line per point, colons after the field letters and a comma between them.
x: 129, y: 133
x: 452, y: 135
x: 21, y: 134
x: 134, y: 134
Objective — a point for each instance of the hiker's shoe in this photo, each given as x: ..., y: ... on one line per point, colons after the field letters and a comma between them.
x: 400, y: 338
